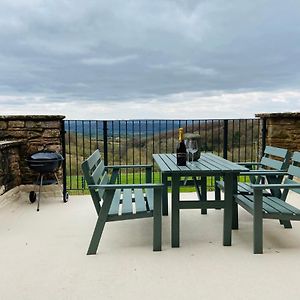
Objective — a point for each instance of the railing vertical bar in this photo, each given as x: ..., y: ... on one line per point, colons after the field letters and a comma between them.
x: 233, y: 141
x: 105, y: 142
x: 246, y: 139
x: 63, y: 145
x: 263, y: 135
x: 252, y: 139
x: 113, y: 141
x: 97, y: 134
x: 239, y: 156
x: 126, y: 149
x: 133, y: 145
x: 166, y: 136
x: 212, y: 135
x: 225, y: 139
x: 76, y: 153
x: 205, y: 134
x: 70, y: 154
x: 153, y: 150
x: 140, y: 148
x: 120, y: 150
x: 146, y: 142
x: 173, y: 135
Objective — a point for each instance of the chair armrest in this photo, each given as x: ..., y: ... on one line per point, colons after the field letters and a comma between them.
x: 270, y: 186
x: 128, y: 166
x: 125, y: 186
x: 264, y: 172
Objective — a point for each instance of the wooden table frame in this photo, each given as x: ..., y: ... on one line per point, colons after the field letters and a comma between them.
x: 208, y: 165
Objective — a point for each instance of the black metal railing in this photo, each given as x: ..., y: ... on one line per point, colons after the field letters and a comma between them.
x: 134, y: 142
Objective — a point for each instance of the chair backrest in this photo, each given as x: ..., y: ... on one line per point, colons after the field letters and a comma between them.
x: 275, y: 158
x: 294, y: 171
x: 94, y: 173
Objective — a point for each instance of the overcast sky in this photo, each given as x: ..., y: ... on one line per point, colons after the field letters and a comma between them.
x: 149, y: 58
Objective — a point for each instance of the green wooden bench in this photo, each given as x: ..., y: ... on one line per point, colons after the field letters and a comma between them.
x: 271, y: 207
x: 115, y: 202
x: 274, y: 159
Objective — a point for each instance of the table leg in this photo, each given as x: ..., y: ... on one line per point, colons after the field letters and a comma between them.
x: 235, y: 216
x: 217, y: 189
x: 175, y: 211
x: 165, y: 194
x: 228, y: 198
x: 203, y: 193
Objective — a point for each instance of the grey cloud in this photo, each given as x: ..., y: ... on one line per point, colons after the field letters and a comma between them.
x: 141, y: 49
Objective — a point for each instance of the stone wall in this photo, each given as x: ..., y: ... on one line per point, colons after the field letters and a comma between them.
x: 33, y: 133
x: 283, y: 129
x: 10, y: 173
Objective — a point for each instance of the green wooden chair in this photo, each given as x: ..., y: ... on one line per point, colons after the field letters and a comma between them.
x: 115, y: 202
x: 271, y: 207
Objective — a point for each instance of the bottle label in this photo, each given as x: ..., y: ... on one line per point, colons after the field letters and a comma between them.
x: 181, y: 159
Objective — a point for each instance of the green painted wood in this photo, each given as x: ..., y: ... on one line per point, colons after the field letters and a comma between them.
x: 294, y: 171
x: 114, y: 209
x: 195, y: 204
x: 105, y: 190
x: 124, y: 186
x: 127, y: 201
x: 140, y: 203
x: 164, y: 179
x: 150, y: 198
x: 290, y: 181
x: 98, y: 173
x: 258, y: 223
x: 296, y: 156
x: 279, y: 152
x: 175, y: 211
x: 227, y: 223
x: 102, y: 218
x: 157, y: 222
x: 271, y: 163
x: 128, y: 166
x: 161, y: 164
x: 93, y: 159
x: 104, y: 180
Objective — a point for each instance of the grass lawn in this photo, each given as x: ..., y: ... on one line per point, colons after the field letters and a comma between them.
x: 76, y: 184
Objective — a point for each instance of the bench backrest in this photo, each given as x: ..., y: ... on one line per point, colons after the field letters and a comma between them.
x: 294, y: 171
x: 275, y: 158
x: 94, y: 173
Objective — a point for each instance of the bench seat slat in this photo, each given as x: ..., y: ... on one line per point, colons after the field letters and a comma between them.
x: 127, y: 201
x: 114, y: 209
x: 150, y: 198
x: 271, y: 205
x: 140, y: 203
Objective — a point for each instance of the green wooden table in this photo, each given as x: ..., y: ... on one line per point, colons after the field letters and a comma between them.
x: 208, y: 165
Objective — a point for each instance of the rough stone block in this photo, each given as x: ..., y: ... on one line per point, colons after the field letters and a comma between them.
x: 3, y: 125
x: 16, y: 124
x: 33, y: 125
x: 51, y: 124
x: 49, y: 133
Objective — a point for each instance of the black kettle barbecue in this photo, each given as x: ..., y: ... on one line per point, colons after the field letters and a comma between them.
x: 44, y: 162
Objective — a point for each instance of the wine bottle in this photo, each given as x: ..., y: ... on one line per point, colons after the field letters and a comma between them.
x: 181, y: 150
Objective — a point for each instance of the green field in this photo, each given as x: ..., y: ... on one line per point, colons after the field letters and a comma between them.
x: 76, y: 184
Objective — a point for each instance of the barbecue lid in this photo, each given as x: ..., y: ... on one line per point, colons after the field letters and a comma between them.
x: 45, y: 156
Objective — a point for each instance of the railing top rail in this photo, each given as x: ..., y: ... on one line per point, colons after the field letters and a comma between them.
x: 130, y: 120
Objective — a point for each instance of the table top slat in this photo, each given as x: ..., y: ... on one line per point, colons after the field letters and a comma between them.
x: 208, y: 164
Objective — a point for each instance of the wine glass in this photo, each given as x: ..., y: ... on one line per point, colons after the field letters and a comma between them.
x: 192, y: 147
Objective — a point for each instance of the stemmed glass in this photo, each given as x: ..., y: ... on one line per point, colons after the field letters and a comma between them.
x: 192, y: 147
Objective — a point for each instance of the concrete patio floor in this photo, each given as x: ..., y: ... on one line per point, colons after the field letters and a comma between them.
x: 43, y: 256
